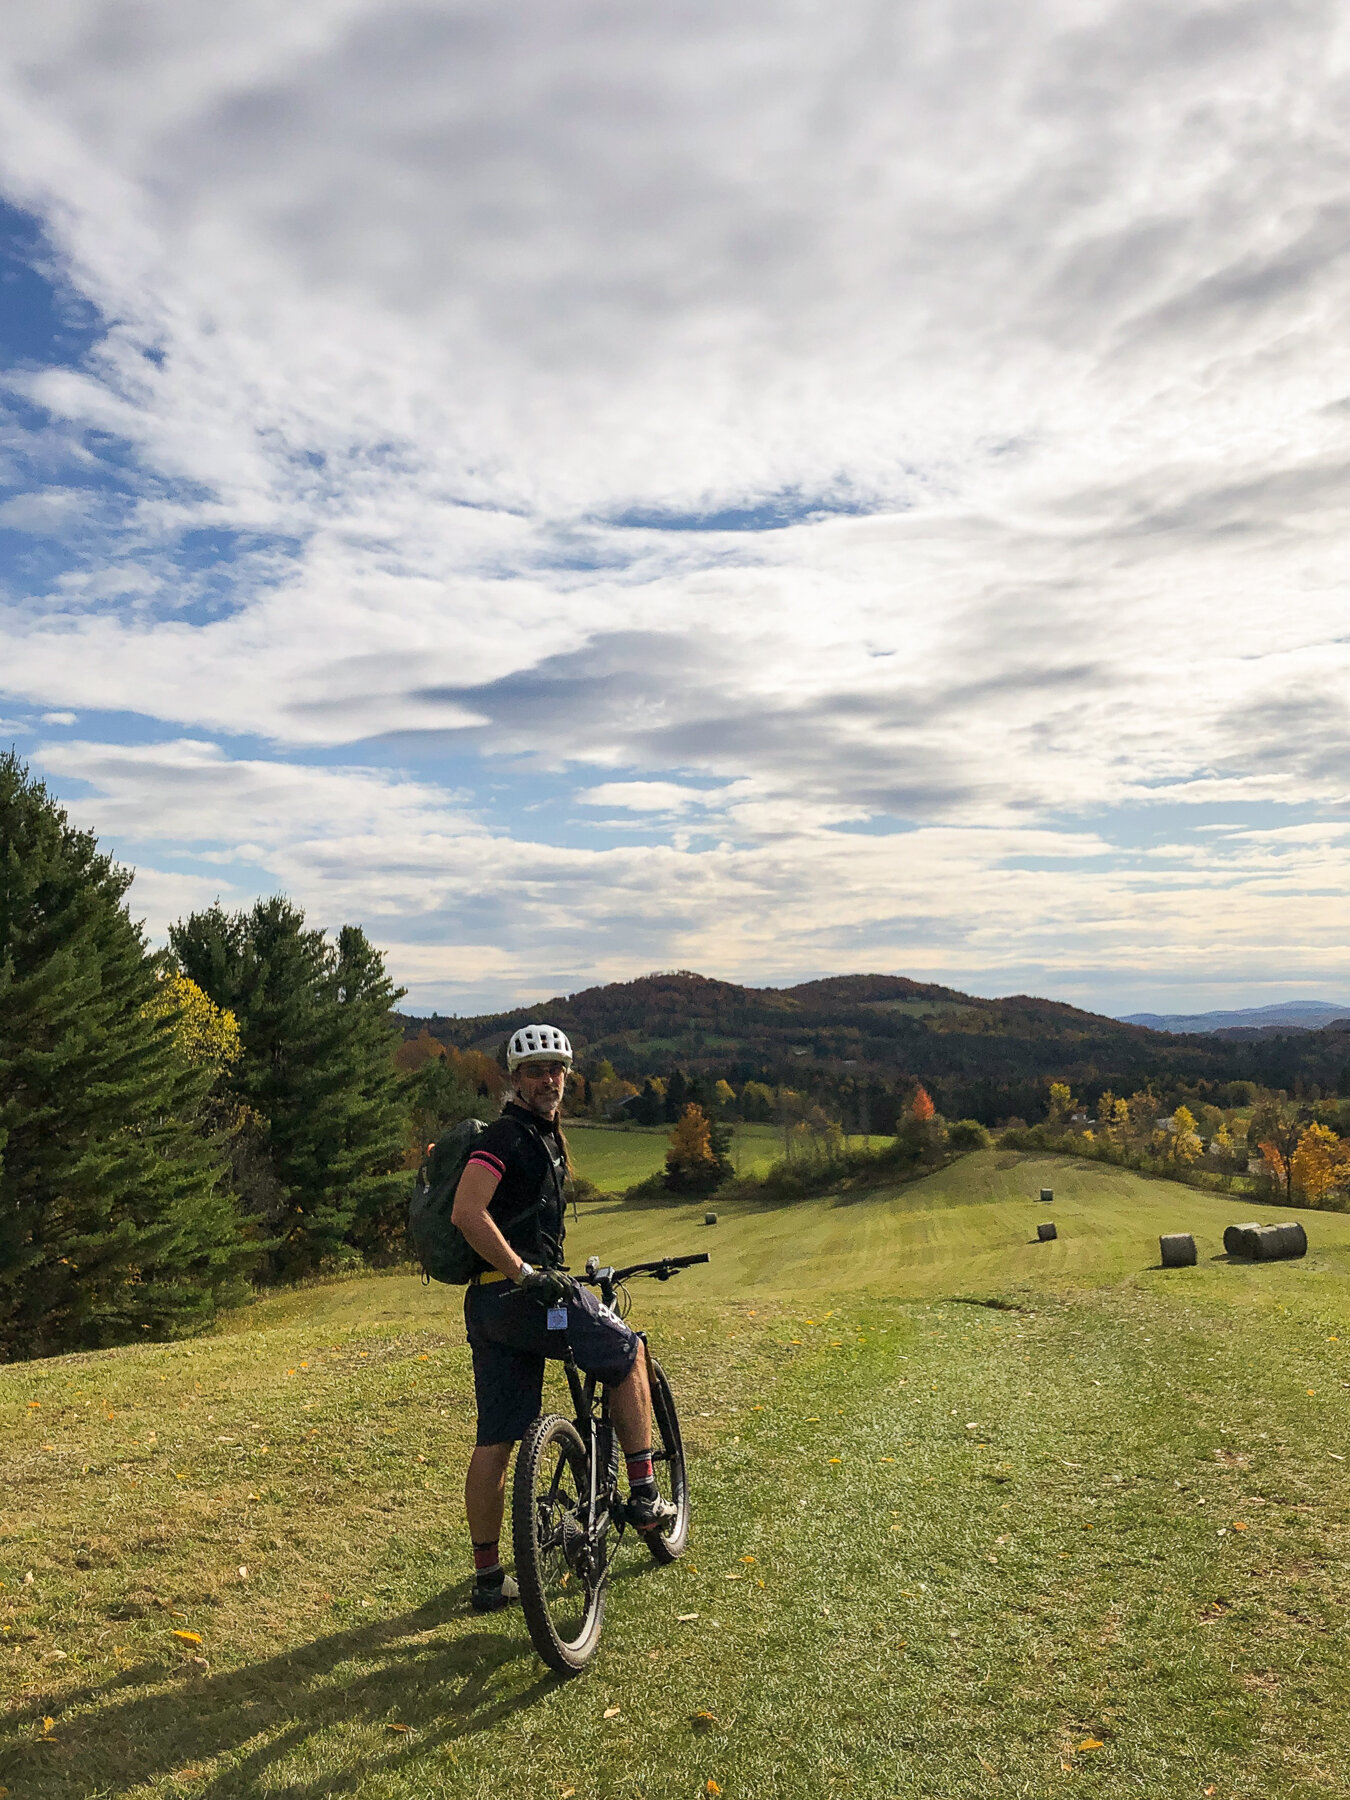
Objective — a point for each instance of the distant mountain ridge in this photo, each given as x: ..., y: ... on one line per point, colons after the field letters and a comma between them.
x: 853, y: 1034
x: 1288, y: 1015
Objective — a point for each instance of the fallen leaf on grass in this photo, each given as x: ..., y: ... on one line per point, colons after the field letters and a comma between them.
x: 1238, y: 1525
x: 711, y: 1787
x: 396, y: 1728
x: 611, y: 1712
x: 703, y: 1721
x: 747, y: 1559
x: 187, y: 1637
x: 836, y: 1459
x: 1091, y: 1744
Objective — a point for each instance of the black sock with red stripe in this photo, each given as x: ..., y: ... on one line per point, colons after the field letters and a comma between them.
x: 487, y: 1564
x: 641, y: 1475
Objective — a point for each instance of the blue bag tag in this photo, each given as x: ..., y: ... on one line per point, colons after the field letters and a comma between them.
x: 557, y: 1318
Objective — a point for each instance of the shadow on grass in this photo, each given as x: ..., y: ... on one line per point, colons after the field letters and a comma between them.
x: 405, y: 1671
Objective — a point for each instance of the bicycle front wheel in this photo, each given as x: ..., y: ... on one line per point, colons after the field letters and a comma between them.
x: 560, y: 1571
x: 668, y: 1461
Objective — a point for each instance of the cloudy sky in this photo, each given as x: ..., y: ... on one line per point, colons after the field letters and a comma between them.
x: 769, y: 489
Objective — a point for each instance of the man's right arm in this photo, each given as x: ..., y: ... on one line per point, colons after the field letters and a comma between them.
x: 473, y: 1196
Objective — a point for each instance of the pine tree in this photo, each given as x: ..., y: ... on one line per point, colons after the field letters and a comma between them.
x: 677, y: 1096
x: 318, y: 1066
x: 442, y: 1095
x: 377, y: 1122
x: 113, y: 1216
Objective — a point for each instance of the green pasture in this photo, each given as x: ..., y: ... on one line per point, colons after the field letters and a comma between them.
x: 973, y: 1517
x: 618, y: 1157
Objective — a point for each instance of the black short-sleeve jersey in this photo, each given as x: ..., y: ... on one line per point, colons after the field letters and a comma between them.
x: 526, y: 1153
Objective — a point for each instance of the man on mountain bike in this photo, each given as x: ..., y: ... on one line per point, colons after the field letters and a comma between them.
x: 522, y: 1309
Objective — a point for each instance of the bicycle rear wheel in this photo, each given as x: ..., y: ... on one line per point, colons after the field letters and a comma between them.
x: 561, y: 1574
x: 668, y: 1462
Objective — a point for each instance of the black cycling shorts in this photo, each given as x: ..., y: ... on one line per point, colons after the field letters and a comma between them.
x: 509, y: 1336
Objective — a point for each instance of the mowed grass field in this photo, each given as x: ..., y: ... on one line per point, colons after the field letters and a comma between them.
x: 1089, y: 1540
x: 616, y: 1158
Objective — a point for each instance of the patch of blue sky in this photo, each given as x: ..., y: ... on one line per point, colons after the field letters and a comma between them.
x: 878, y: 825
x: 133, y: 729
x: 68, y: 497
x: 775, y: 512
x: 1152, y: 825
x: 43, y: 318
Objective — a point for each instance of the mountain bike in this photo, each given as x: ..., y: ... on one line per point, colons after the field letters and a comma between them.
x: 567, y: 1512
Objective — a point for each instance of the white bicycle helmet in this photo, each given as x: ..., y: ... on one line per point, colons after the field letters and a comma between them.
x: 538, y: 1043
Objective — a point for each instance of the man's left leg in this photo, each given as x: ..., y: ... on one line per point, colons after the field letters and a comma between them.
x: 630, y: 1406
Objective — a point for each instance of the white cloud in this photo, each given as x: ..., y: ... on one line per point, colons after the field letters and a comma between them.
x: 644, y: 796
x: 46, y: 513
x: 450, y: 308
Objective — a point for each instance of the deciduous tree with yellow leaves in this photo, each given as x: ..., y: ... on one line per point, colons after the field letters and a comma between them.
x: 691, y: 1165
x: 1319, y: 1166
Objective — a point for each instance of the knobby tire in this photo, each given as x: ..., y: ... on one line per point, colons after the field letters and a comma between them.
x: 668, y: 1461
x: 563, y: 1601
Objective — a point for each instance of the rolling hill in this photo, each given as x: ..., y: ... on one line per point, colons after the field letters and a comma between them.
x: 1287, y: 1015
x: 851, y: 1035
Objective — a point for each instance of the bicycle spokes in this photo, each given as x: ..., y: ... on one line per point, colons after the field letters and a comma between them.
x: 561, y: 1515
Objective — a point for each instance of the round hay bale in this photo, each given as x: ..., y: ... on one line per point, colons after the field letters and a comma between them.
x: 1178, y: 1250
x: 710, y: 1218
x: 1048, y: 1195
x: 1045, y: 1232
x: 1296, y: 1239
x: 1238, y: 1239
x: 1276, y: 1243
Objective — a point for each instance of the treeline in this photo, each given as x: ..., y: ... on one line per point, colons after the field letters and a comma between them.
x: 176, y: 1125
x: 818, y: 1155
x: 1277, y: 1147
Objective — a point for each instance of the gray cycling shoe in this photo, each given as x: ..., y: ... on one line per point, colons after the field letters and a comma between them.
x: 650, y: 1513
x: 493, y: 1596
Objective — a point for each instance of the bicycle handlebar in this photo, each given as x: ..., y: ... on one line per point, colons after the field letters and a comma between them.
x: 663, y: 1269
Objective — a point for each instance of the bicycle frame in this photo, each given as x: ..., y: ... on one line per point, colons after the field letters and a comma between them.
x: 597, y: 1431
x: 596, y: 1427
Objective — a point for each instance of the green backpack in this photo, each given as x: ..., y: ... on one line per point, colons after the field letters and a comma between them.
x: 436, y: 1241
